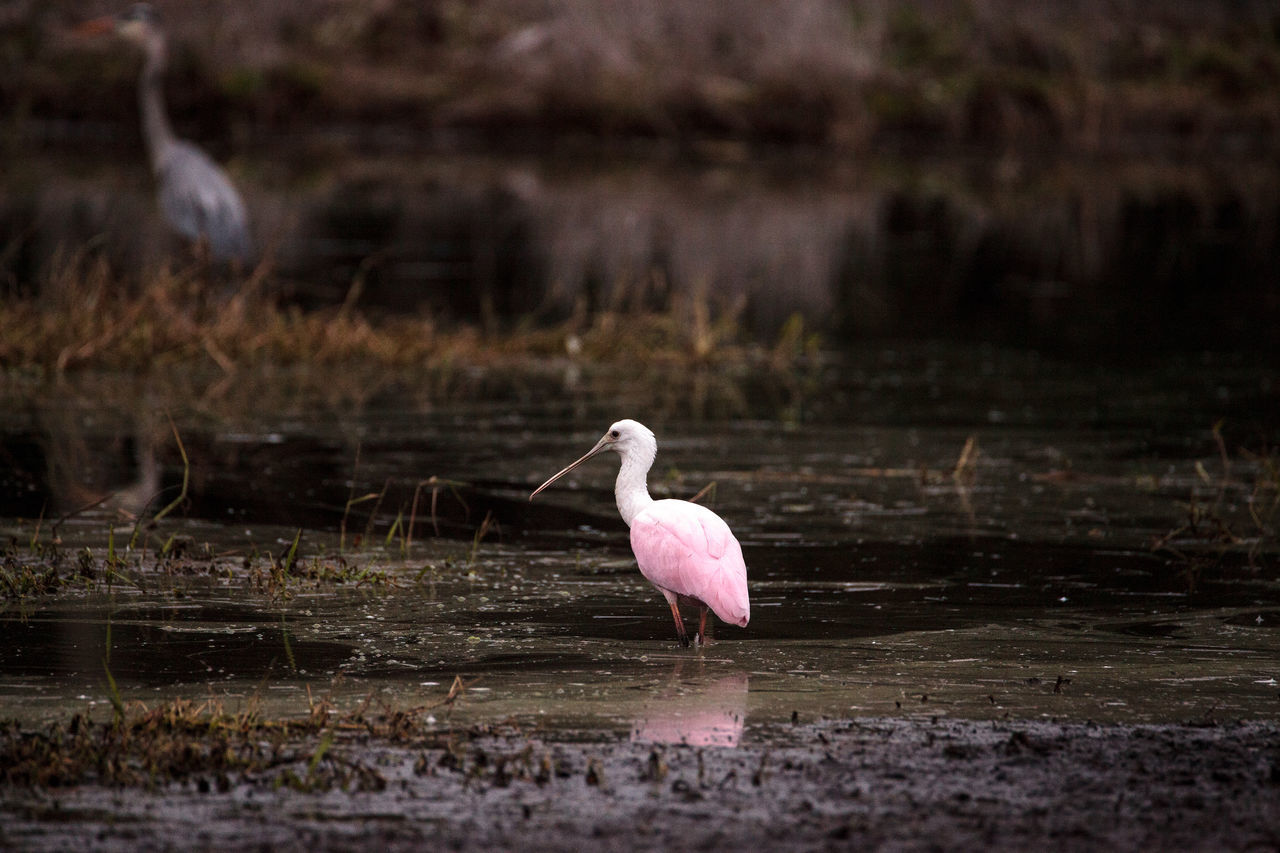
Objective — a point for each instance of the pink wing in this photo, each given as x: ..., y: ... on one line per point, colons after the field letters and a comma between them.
x: 689, y: 550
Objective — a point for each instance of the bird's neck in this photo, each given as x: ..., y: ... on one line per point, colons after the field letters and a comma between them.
x: 155, y: 122
x: 631, y: 489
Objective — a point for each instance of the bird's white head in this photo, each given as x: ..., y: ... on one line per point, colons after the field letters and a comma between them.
x: 627, y: 437
x: 140, y: 24
x: 631, y: 440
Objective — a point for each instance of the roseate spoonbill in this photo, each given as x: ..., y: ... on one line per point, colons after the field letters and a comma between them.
x: 685, y: 550
x: 196, y: 197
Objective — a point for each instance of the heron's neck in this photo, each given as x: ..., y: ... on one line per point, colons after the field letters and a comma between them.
x: 155, y: 122
x: 630, y: 489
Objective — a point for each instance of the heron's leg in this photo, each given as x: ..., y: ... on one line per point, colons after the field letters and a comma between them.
x: 701, y: 637
x: 203, y: 257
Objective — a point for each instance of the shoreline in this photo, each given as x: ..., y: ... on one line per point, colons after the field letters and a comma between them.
x: 902, y: 783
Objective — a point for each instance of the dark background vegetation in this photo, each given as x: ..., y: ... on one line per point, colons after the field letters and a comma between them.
x: 1182, y: 79
x: 1083, y: 173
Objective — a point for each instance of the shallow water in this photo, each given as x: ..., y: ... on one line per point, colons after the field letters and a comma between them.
x: 881, y: 583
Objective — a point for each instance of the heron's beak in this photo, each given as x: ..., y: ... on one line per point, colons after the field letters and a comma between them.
x: 601, y: 445
x: 96, y: 27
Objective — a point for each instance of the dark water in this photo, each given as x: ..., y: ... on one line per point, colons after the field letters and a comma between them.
x: 1030, y: 584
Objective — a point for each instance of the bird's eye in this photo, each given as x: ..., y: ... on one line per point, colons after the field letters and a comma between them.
x: 613, y: 433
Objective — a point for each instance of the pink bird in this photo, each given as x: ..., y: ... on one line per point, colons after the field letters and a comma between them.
x: 685, y: 550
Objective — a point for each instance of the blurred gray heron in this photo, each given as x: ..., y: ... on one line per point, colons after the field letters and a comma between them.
x: 196, y: 197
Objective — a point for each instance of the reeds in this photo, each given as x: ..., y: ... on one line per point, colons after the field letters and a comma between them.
x: 1233, y: 512
x: 94, y: 320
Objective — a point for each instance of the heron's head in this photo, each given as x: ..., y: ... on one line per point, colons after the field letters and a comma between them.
x: 139, y: 23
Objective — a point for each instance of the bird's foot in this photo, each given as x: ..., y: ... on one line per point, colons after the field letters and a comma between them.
x: 684, y: 641
x: 699, y: 639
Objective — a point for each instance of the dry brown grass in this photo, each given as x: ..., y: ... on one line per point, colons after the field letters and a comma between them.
x: 87, y: 318
x: 96, y: 321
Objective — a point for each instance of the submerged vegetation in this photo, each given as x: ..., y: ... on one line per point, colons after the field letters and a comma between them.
x: 1228, y: 514
x: 46, y: 568
x: 185, y: 741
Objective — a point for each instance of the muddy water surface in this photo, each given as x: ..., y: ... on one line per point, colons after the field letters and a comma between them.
x: 1037, y: 578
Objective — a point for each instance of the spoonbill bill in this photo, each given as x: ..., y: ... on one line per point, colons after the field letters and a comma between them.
x: 684, y: 549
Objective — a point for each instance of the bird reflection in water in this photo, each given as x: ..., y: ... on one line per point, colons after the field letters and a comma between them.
x: 694, y: 712
x: 113, y: 465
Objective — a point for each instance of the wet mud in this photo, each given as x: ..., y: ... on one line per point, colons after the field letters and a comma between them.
x: 915, y: 783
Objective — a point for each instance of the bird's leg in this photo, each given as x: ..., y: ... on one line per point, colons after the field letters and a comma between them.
x: 680, y: 632
x: 701, y: 637
x: 203, y: 256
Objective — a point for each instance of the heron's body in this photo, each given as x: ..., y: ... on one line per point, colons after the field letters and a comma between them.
x: 682, y: 548
x: 199, y: 202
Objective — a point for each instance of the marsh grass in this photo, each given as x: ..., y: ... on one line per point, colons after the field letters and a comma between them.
x: 177, y: 501
x: 41, y: 567
x: 112, y: 689
x: 44, y: 566
x: 89, y: 318
x: 1236, y: 512
x: 320, y: 747
x: 400, y: 531
x: 312, y: 573
x: 98, y: 320
x: 184, y: 740
x: 481, y: 531
x: 25, y: 580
